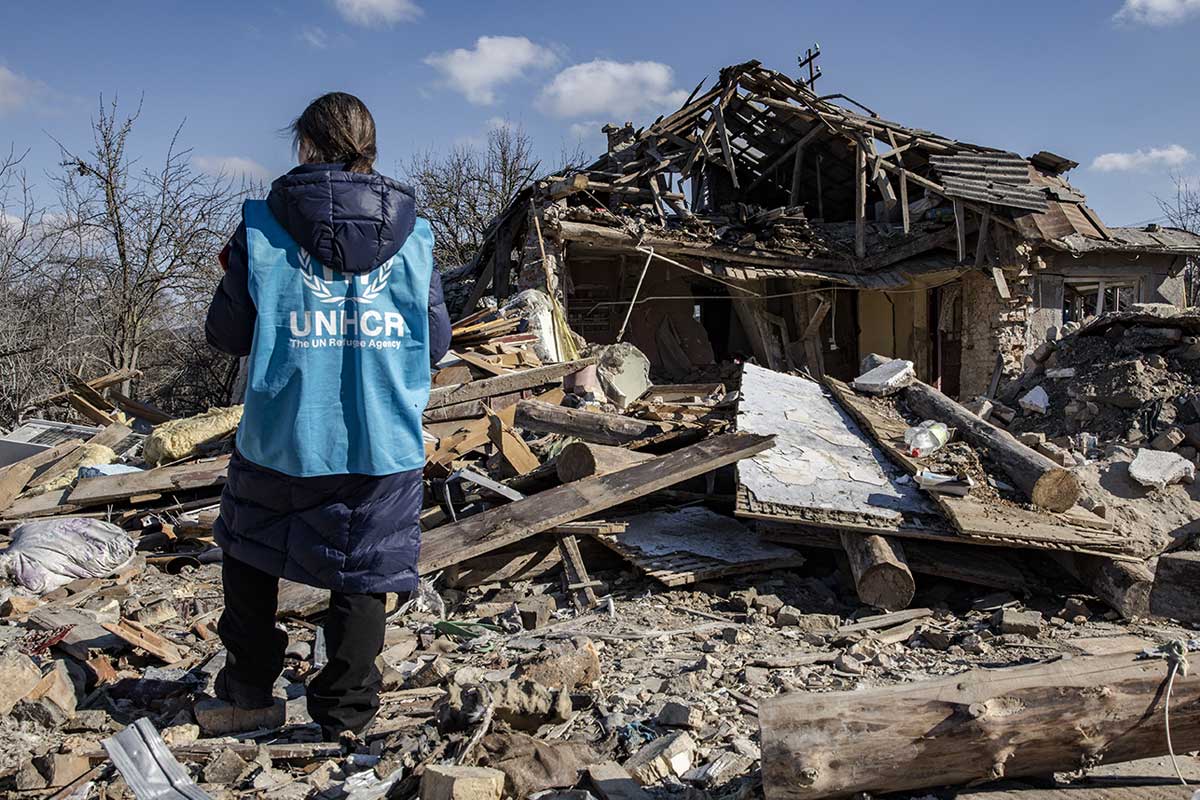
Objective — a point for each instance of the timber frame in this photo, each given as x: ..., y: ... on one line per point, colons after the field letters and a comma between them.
x: 829, y: 231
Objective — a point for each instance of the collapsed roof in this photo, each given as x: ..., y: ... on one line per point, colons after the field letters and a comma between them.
x: 759, y: 176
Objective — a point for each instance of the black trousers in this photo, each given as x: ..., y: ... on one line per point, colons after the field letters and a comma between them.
x: 344, y: 695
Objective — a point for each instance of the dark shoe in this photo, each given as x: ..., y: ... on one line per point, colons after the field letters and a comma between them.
x: 347, y: 736
x: 231, y: 690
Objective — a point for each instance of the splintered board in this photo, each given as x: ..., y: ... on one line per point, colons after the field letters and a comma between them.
x: 505, y: 525
x: 695, y: 544
x: 990, y: 523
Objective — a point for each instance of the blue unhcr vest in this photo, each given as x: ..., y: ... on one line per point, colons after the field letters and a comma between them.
x: 339, y: 367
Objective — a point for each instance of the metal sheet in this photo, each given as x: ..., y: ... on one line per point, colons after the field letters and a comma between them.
x: 148, y: 767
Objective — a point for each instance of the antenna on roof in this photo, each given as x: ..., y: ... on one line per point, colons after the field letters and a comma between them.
x: 809, y: 59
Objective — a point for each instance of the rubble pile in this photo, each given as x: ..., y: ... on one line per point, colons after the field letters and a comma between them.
x: 626, y: 586
x: 1131, y: 378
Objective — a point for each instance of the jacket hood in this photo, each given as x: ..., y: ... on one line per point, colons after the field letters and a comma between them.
x: 349, y: 221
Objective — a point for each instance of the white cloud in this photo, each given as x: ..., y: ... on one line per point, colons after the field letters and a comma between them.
x: 613, y: 88
x: 16, y: 91
x: 491, y: 63
x: 374, y: 13
x: 315, y: 36
x: 1173, y: 155
x: 1156, y: 12
x: 586, y: 130
x: 232, y: 166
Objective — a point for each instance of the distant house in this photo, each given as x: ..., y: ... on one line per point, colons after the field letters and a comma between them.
x: 763, y: 220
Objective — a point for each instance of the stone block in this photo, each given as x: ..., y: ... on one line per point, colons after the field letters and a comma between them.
x: 446, y: 782
x: 218, y: 718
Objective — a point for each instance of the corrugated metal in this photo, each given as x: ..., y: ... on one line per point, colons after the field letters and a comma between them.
x: 989, y: 191
x: 1162, y: 240
x: 1004, y: 167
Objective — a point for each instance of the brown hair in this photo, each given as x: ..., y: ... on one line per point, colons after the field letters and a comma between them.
x: 336, y: 128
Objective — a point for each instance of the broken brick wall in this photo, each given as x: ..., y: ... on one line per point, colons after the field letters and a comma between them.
x: 991, y: 325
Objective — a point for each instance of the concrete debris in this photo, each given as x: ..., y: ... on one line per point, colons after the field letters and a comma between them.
x: 1035, y: 401
x: 624, y: 372
x: 669, y: 756
x: 442, y: 782
x: 1158, y: 470
x: 887, y: 378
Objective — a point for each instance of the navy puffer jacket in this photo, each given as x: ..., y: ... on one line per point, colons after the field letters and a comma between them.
x: 347, y: 533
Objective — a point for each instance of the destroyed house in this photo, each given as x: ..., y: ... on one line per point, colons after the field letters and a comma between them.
x: 764, y: 220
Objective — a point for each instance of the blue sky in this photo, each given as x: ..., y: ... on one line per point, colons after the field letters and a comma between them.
x: 1109, y: 83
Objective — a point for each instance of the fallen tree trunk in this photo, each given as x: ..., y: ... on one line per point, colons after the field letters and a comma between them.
x: 881, y: 574
x: 591, y: 426
x: 981, y: 725
x: 584, y: 459
x: 1047, y: 484
x: 1125, y: 587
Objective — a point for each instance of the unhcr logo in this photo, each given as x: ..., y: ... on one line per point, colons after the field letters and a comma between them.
x: 340, y: 327
x: 373, y: 286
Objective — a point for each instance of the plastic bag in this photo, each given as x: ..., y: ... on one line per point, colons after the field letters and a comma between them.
x: 926, y: 438
x: 47, y: 554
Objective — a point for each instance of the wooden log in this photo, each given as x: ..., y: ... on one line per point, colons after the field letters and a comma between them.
x: 1047, y: 484
x: 584, y: 459
x: 1175, y: 580
x: 1124, y: 586
x: 881, y: 574
x: 504, y: 525
x: 981, y: 725
x: 504, y: 384
x: 591, y: 426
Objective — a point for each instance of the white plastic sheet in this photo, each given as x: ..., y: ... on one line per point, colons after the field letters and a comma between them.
x: 47, y: 554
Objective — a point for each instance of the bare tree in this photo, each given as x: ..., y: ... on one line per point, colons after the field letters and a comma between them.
x: 462, y: 191
x: 140, y: 244
x: 1183, y: 211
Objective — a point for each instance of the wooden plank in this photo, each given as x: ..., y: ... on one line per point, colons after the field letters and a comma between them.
x: 505, y: 384
x: 860, y: 202
x: 98, y: 384
x: 510, y: 446
x: 484, y: 364
x: 136, y: 408
x: 981, y: 245
x: 12, y: 482
x: 1001, y: 283
x: 89, y: 411
x: 182, y: 477
x: 1094, y: 789
x: 904, y: 212
x: 142, y: 637
x: 960, y: 230
x: 579, y: 583
x: 497, y: 527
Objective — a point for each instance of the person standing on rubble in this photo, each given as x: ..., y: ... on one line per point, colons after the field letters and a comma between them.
x: 331, y: 292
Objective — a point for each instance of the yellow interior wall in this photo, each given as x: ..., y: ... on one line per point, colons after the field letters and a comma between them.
x: 877, y: 311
